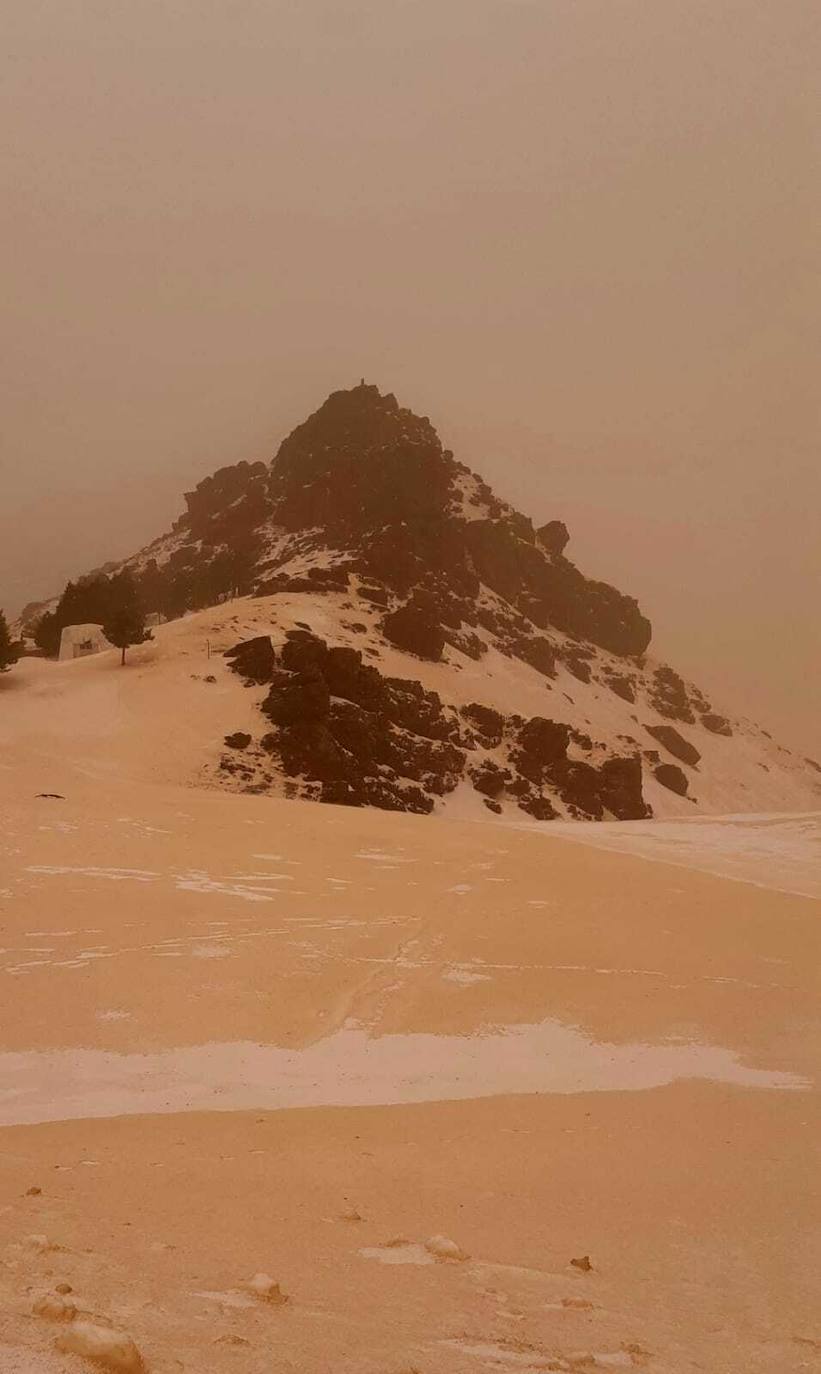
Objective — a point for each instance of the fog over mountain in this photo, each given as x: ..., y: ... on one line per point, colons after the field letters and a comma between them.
x: 580, y: 236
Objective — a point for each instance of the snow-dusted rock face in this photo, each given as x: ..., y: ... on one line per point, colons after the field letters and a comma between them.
x: 417, y: 645
x: 347, y: 718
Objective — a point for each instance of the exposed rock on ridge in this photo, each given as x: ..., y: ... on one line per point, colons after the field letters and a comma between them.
x: 345, y: 733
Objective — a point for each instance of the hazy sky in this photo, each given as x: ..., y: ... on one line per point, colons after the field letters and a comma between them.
x: 581, y: 235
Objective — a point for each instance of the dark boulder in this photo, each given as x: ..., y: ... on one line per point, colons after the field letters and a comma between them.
x: 672, y: 777
x: 543, y: 741
x: 674, y: 743
x: 578, y: 786
x: 620, y: 789
x: 554, y: 536
x: 378, y: 596
x: 489, y: 779
x: 535, y: 650
x: 589, y: 792
x: 298, y: 698
x: 414, y: 629
x: 719, y: 725
x: 253, y: 659
x: 308, y: 749
x: 348, y: 677
x: 239, y: 740
x: 540, y: 745
x: 303, y: 652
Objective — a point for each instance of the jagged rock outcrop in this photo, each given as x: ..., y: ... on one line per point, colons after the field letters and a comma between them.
x: 366, y: 739
x: 554, y: 536
x: 230, y: 503
x: 364, y: 490
x: 376, y: 480
x: 352, y: 736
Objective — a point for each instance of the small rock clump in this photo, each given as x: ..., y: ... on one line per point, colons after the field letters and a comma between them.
x: 489, y: 779
x: 239, y: 740
x: 717, y: 725
x: 534, y: 650
x: 54, y: 1308
x: 267, y: 1290
x: 621, y: 685
x: 577, y: 663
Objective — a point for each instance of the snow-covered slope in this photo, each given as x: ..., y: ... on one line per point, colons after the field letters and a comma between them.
x: 165, y: 716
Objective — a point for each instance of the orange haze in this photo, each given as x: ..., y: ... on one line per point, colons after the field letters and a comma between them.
x: 579, y: 234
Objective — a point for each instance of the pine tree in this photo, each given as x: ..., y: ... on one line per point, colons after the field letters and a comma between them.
x: 125, y: 620
x: 8, y: 652
x: 47, y: 634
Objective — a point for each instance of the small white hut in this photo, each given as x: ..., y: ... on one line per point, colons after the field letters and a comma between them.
x: 78, y: 641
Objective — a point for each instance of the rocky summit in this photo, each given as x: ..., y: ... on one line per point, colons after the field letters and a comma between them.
x: 420, y: 645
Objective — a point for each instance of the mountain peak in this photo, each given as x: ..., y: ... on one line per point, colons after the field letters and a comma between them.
x: 365, y: 525
x: 359, y: 462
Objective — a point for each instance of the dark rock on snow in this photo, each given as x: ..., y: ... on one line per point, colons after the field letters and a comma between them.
x: 253, y: 659
x: 554, y: 536
x: 239, y: 740
x: 674, y: 743
x: 415, y: 629
x: 719, y: 725
x: 349, y: 735
x: 672, y: 777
